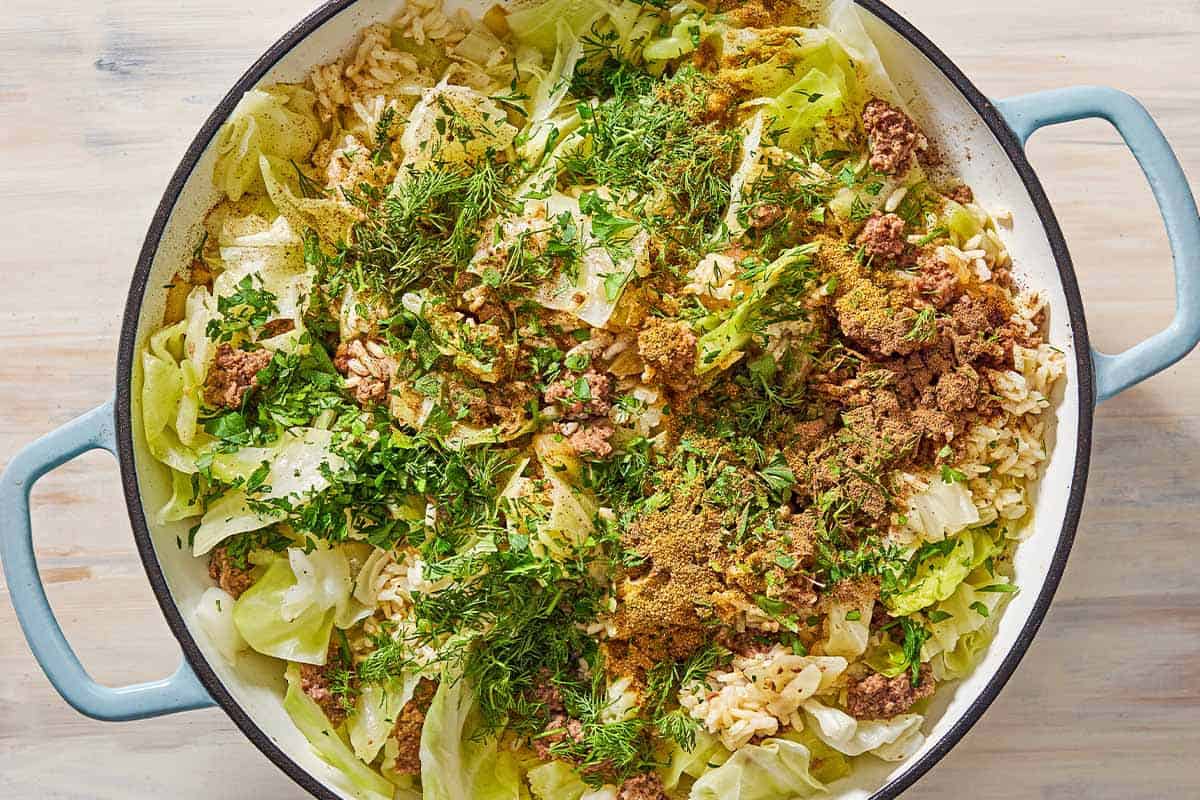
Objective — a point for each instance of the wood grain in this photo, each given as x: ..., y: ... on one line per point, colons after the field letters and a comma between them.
x: 99, y: 100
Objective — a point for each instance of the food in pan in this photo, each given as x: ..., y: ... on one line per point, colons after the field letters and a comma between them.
x: 598, y: 399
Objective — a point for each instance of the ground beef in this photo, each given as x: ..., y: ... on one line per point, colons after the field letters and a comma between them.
x: 961, y: 194
x: 958, y: 390
x: 894, y: 137
x: 765, y: 215
x: 647, y: 786
x: 882, y: 238
x: 232, y: 375
x: 885, y: 331
x: 316, y: 680
x: 877, y: 697
x: 668, y: 350
x: 937, y: 283
x: 574, y: 406
x: 559, y: 729
x: 407, y: 730
x: 276, y: 327
x: 229, y: 577
x: 975, y: 325
x: 590, y: 437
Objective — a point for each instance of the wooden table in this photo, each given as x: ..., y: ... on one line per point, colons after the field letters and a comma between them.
x: 98, y: 101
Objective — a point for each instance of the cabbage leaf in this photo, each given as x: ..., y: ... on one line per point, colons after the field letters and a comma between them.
x: 707, y: 753
x: 453, y: 125
x: 556, y: 781
x: 943, y: 509
x: 375, y: 714
x: 777, y: 769
x: 297, y: 466
x: 940, y: 572
x: 455, y: 765
x: 364, y: 782
x: 854, y: 737
x: 536, y: 23
x: 259, y: 617
x: 214, y: 613
x: 277, y: 122
x: 722, y: 345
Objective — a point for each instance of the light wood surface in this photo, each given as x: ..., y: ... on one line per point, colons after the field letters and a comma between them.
x: 98, y: 100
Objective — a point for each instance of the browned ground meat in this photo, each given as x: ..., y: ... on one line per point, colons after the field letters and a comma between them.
x: 647, y: 786
x: 882, y: 237
x: 407, y: 731
x: 669, y: 352
x: 228, y: 577
x: 580, y: 405
x: 937, y: 282
x: 895, y: 138
x: 317, y: 682
x: 590, y: 437
x: 958, y: 390
x: 276, y: 327
x: 233, y: 373
x: 765, y: 215
x: 560, y: 728
x: 877, y: 697
x: 961, y: 194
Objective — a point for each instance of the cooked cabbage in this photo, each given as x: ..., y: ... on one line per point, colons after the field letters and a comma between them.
x: 375, y: 714
x: 540, y: 130
x: 278, y: 122
x: 885, y: 738
x: 453, y: 125
x: 298, y: 465
x: 214, y: 614
x: 455, y: 763
x: 556, y: 781
x: 777, y: 768
x: 359, y: 780
x: 260, y: 619
x: 943, y: 509
x: 938, y: 575
x: 722, y: 346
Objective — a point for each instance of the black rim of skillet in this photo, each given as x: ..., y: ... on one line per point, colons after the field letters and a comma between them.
x: 138, y: 286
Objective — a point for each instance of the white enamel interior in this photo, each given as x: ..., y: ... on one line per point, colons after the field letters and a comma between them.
x: 973, y: 152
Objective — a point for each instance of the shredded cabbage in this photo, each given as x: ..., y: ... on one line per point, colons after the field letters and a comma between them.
x: 455, y: 765
x: 943, y: 509
x: 940, y: 574
x: 363, y: 782
x: 541, y: 132
x: 277, y: 122
x: 721, y: 347
x: 854, y: 737
x: 297, y: 470
x: 259, y: 617
x: 777, y: 769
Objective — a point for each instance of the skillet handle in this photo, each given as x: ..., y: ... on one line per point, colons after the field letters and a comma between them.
x: 180, y: 692
x: 1029, y: 113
